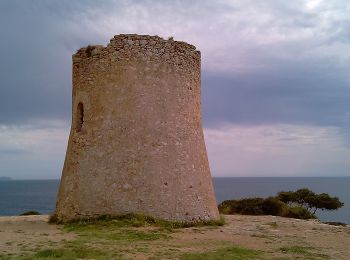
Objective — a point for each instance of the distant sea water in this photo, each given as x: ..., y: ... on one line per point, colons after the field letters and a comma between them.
x: 18, y: 196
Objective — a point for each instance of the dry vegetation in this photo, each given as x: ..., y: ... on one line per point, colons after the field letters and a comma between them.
x: 241, y: 237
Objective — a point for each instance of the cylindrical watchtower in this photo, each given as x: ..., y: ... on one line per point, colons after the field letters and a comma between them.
x: 136, y: 144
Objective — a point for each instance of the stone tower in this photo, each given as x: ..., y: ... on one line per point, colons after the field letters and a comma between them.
x: 136, y: 143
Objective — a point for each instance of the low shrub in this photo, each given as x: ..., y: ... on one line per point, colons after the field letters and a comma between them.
x: 253, y: 206
x: 31, y: 212
x: 299, y: 212
x: 273, y: 206
x: 250, y: 206
x: 260, y: 206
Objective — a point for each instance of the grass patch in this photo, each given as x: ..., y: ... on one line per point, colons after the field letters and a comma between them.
x: 124, y: 228
x: 139, y: 220
x: 234, y: 252
x: 303, y: 251
x: 65, y: 253
x: 133, y: 235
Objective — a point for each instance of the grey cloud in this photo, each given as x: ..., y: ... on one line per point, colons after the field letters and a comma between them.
x: 269, y: 63
x: 305, y: 95
x: 13, y: 151
x: 38, y: 39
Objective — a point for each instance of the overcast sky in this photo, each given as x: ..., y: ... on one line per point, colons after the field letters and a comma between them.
x: 275, y: 79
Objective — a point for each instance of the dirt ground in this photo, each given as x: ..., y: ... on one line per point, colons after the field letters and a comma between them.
x: 274, y: 237
x: 272, y: 234
x: 21, y: 234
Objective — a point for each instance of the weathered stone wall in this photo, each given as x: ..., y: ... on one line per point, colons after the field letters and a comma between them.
x: 136, y: 142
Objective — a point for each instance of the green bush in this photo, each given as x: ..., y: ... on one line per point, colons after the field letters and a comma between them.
x: 299, y: 212
x: 29, y: 213
x: 260, y: 206
x: 273, y: 206
x: 310, y: 200
x: 301, y: 204
x: 253, y: 206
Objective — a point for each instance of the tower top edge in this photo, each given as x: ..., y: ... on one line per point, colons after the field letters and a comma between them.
x: 137, y: 42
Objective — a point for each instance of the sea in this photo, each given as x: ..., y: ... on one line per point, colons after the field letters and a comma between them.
x: 18, y: 196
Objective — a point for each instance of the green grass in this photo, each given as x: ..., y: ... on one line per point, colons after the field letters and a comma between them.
x: 303, y: 251
x: 234, y: 253
x: 67, y: 253
x: 132, y: 235
x: 121, y: 229
x: 125, y: 229
x: 138, y: 220
x: 115, y: 230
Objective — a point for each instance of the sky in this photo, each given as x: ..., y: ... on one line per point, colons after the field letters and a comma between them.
x: 275, y: 79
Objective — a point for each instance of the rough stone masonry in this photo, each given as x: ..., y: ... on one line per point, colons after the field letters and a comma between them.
x: 136, y: 143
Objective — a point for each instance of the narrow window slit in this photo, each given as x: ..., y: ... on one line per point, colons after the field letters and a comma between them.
x: 80, y: 117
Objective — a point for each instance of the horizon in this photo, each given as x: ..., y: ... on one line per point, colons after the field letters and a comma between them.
x: 275, y: 81
x: 257, y: 177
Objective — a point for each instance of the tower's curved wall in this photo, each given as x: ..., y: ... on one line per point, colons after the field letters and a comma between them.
x: 136, y: 142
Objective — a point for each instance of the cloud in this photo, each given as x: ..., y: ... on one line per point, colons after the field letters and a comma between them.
x: 33, y: 151
x: 293, y: 97
x: 276, y: 46
x: 277, y: 150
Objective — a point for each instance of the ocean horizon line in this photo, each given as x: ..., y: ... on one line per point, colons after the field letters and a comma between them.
x: 6, y: 178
